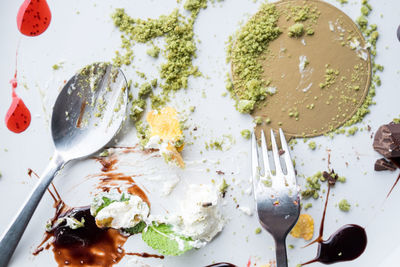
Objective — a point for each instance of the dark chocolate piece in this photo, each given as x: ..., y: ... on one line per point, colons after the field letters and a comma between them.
x: 387, y: 140
x: 384, y: 165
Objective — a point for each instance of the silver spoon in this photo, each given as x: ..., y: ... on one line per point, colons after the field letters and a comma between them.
x: 88, y: 113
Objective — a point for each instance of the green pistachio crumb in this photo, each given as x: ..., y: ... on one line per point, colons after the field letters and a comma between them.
x: 244, y: 51
x: 312, y: 145
x: 246, y: 134
x: 258, y: 120
x: 344, y: 205
x: 145, y: 89
x: 307, y: 206
x: 257, y: 231
x: 296, y: 30
x: 58, y: 66
x: 104, y: 153
x: 154, y: 51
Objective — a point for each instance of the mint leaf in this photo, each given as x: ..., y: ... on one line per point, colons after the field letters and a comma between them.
x: 138, y: 228
x: 163, y: 239
x: 123, y: 198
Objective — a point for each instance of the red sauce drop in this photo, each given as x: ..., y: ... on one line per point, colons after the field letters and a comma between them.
x: 18, y: 117
x: 33, y: 17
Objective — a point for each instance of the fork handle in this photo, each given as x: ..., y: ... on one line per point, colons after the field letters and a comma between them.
x: 280, y: 250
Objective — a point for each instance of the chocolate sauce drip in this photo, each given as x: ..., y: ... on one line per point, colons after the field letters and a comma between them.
x: 107, y: 163
x: 346, y: 244
x: 145, y: 255
x: 87, y: 245
x: 221, y: 264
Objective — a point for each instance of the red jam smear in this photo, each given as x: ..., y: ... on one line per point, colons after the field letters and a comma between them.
x: 33, y: 17
x: 18, y: 117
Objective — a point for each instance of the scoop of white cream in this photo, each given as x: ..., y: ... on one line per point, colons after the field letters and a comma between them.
x: 123, y: 214
x: 199, y: 216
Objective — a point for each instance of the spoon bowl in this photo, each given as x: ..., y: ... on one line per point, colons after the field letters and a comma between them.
x: 88, y: 113
x: 89, y: 110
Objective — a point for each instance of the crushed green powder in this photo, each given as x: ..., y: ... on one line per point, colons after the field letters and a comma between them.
x: 296, y: 30
x: 258, y: 120
x: 312, y: 145
x: 246, y: 134
x: 344, y: 205
x: 250, y: 42
x: 179, y: 51
x: 313, y: 184
x: 330, y: 77
x: 370, y: 32
x: 154, y: 51
x: 58, y: 66
x: 308, y: 206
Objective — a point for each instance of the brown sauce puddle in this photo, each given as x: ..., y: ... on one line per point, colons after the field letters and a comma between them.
x: 346, y: 244
x: 90, y: 245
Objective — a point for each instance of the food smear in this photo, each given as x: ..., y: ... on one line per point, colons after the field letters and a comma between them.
x: 304, y: 227
x: 33, y: 17
x: 346, y: 244
x: 18, y: 116
x: 78, y: 240
x: 166, y: 134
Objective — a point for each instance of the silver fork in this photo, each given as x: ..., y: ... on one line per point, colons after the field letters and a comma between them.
x: 277, y: 195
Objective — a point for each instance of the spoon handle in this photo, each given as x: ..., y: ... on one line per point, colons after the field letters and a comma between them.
x: 10, y: 238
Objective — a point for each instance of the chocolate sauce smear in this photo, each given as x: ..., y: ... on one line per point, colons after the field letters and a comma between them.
x: 87, y: 245
x: 346, y: 244
x: 221, y: 264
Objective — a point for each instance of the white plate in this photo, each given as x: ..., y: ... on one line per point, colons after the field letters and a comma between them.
x: 80, y: 39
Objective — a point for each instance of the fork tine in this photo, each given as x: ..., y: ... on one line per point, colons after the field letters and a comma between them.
x: 254, y: 162
x: 276, y: 155
x: 291, y: 177
x: 267, y: 168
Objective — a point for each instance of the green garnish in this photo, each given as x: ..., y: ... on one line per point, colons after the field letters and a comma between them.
x: 138, y: 228
x: 163, y: 239
x: 223, y: 187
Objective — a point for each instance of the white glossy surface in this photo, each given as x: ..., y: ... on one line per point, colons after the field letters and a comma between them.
x: 80, y: 39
